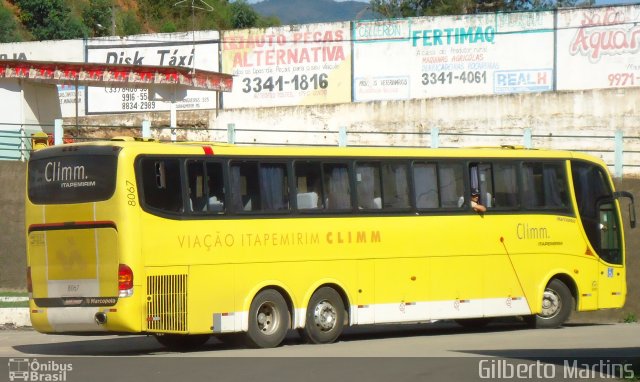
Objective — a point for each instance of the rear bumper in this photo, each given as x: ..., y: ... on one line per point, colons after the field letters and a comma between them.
x: 123, y: 317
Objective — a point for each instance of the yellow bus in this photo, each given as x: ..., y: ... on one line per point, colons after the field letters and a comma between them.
x: 185, y: 241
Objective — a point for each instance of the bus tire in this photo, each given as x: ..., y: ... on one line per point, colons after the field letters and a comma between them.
x: 182, y: 342
x: 325, y: 317
x: 557, y: 304
x: 474, y: 323
x: 269, y: 320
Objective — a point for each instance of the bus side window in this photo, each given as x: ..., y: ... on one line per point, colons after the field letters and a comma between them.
x: 544, y: 186
x: 215, y: 188
x: 481, y: 178
x: 451, y: 185
x: 425, y: 184
x: 274, y: 186
x: 395, y: 185
x: 245, y: 193
x: 368, y: 185
x: 506, y: 185
x: 336, y: 184
x: 309, y: 194
x: 161, y: 184
x: 195, y: 182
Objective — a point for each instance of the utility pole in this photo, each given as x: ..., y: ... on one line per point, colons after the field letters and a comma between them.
x: 113, y: 19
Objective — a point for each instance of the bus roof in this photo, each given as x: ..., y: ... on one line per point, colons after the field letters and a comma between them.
x: 139, y: 146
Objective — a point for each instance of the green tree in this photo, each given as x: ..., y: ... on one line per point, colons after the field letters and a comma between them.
x: 268, y: 21
x: 409, y: 8
x: 128, y: 24
x: 242, y: 15
x: 168, y: 27
x: 97, y: 16
x: 8, y: 26
x: 50, y: 20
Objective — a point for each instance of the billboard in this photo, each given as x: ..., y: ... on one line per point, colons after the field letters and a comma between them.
x: 598, y: 48
x: 288, y: 66
x: 197, y: 50
x: 453, y: 56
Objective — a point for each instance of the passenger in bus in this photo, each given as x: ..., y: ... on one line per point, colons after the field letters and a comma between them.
x: 475, y: 201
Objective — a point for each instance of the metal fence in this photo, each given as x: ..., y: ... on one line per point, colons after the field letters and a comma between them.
x: 16, y: 140
x: 621, y: 153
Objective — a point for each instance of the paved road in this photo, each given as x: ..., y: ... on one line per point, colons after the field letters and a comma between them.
x: 435, y: 352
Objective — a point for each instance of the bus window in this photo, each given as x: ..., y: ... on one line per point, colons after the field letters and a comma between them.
x: 451, y: 184
x: 274, y: 187
x: 609, y: 248
x: 544, y: 186
x: 195, y: 183
x: 161, y: 184
x: 245, y: 192
x: 336, y: 184
x: 505, y: 187
x: 215, y: 187
x: 308, y: 185
x: 395, y: 185
x: 481, y: 176
x: 368, y: 185
x: 425, y: 184
x: 593, y: 197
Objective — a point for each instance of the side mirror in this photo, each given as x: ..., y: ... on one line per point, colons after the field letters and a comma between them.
x: 632, y: 208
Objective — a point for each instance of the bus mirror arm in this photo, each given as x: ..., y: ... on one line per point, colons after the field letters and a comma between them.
x: 632, y: 209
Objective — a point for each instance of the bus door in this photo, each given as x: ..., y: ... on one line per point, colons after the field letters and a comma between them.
x: 601, y: 222
x: 611, y: 273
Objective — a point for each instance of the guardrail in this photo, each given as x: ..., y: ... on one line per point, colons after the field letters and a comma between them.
x: 621, y: 153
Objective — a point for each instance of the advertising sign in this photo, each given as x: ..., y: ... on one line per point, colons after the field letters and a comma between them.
x: 288, y: 66
x: 453, y: 56
x: 197, y: 50
x: 598, y: 48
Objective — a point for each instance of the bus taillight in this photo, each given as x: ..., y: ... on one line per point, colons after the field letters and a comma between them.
x: 125, y: 281
x: 29, y: 282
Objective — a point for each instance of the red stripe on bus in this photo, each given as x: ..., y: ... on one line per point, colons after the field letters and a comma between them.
x: 207, y: 150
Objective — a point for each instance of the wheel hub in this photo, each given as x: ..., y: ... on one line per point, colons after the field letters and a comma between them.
x: 324, y: 316
x: 550, y: 304
x: 267, y: 318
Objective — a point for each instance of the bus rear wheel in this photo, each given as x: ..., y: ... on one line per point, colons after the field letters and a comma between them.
x: 269, y: 319
x: 557, y: 304
x: 182, y: 342
x: 325, y: 317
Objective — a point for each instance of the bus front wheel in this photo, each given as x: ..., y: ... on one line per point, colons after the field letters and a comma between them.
x: 269, y: 319
x: 557, y: 304
x: 325, y: 317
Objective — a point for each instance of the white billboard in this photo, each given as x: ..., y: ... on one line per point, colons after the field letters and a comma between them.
x: 288, y: 66
x: 453, y: 56
x: 598, y: 48
x: 197, y: 50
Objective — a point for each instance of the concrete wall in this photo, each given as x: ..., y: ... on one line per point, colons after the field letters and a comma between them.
x: 13, y: 247
x: 12, y: 234
x: 590, y: 118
